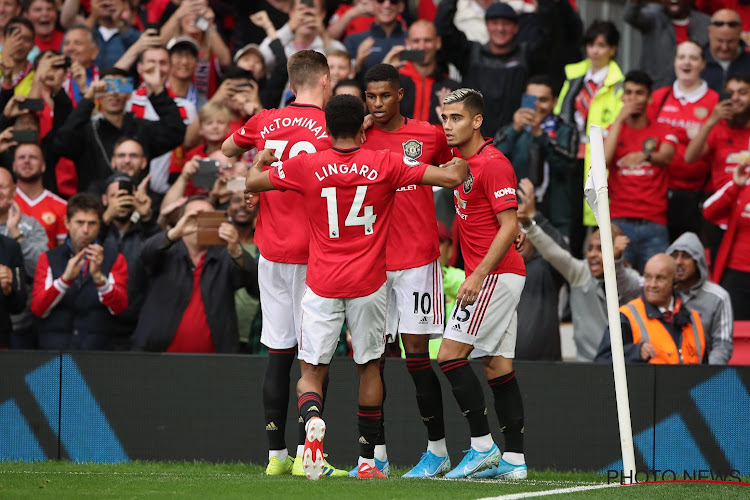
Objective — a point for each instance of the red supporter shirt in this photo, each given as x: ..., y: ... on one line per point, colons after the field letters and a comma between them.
x: 282, y: 232
x: 54, y: 42
x: 738, y: 256
x: 49, y: 209
x: 489, y: 190
x: 413, y: 237
x: 356, y: 25
x: 348, y: 196
x: 686, y: 114
x: 680, y: 32
x: 727, y: 147
x: 640, y: 192
x: 193, y: 333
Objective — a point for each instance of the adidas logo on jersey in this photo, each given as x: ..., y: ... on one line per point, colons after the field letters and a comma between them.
x: 272, y: 427
x: 423, y: 321
x: 456, y: 327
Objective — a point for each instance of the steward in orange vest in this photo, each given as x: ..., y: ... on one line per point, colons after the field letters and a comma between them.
x: 643, y: 322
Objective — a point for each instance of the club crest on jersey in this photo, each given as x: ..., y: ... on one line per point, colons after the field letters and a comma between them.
x: 700, y: 112
x: 412, y: 149
x: 468, y: 183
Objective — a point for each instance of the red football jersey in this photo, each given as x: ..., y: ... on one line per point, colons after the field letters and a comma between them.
x: 413, y: 237
x: 640, y: 192
x: 348, y: 195
x: 282, y: 233
x: 686, y: 117
x: 727, y: 148
x: 489, y: 190
x: 49, y: 209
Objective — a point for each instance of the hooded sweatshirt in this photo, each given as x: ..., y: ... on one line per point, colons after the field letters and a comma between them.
x: 710, y: 300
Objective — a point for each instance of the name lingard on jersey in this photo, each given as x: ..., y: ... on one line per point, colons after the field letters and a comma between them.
x: 308, y: 123
x: 343, y: 168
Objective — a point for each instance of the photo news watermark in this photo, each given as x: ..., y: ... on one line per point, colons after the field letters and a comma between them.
x: 653, y: 475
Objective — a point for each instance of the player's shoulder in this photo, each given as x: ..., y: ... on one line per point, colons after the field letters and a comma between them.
x: 488, y: 153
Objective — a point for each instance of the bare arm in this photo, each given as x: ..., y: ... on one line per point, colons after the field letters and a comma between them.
x: 69, y: 13
x: 450, y: 175
x: 470, y: 288
x: 230, y: 148
x: 257, y: 179
x: 697, y: 146
x: 613, y: 135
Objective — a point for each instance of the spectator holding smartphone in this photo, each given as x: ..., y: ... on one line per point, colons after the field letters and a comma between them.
x: 89, y: 141
x: 542, y: 146
x: 17, y: 70
x: 127, y: 223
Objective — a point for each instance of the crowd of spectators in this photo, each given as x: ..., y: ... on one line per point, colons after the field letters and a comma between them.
x: 114, y: 113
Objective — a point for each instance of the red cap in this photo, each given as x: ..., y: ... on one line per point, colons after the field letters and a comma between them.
x: 444, y: 234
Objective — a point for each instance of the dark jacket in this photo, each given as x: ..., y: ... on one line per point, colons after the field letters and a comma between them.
x: 10, y: 256
x: 129, y: 244
x: 170, y: 274
x: 500, y: 78
x: 89, y: 142
x: 715, y: 75
x: 539, y: 334
x: 528, y: 154
x: 77, y: 315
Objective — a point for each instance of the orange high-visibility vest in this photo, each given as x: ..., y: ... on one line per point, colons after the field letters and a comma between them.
x: 650, y: 330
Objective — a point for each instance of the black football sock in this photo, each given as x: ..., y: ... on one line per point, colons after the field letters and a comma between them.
x: 429, y: 396
x: 301, y: 422
x: 369, y: 420
x: 509, y: 408
x: 380, y: 438
x: 310, y: 405
x: 276, y: 395
x: 468, y: 393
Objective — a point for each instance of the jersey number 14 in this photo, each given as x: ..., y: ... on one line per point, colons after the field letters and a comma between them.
x: 367, y: 219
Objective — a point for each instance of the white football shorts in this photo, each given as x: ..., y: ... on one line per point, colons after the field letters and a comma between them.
x: 416, y: 302
x: 323, y: 318
x: 490, y: 323
x: 281, y: 289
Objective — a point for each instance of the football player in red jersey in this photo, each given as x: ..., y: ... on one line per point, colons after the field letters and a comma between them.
x: 483, y: 322
x: 415, y: 281
x: 348, y: 194
x: 282, y: 235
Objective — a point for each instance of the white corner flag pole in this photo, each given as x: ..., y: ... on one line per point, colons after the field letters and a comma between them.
x: 598, y: 198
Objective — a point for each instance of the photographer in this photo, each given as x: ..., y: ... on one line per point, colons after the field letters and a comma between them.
x: 189, y: 305
x: 126, y: 223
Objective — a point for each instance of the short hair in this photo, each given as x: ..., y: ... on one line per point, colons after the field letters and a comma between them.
x: 114, y: 72
x: 639, y: 77
x: 83, y: 202
x: 692, y: 42
x: 383, y: 73
x: 472, y: 99
x: 338, y: 53
x: 39, y: 56
x: 15, y: 21
x: 211, y: 109
x: 606, y: 28
x: 344, y: 116
x: 83, y: 27
x: 739, y: 77
x: 195, y: 197
x: 305, y: 68
x: 542, y: 79
x: 235, y: 72
x: 126, y: 138
x: 349, y: 82
x: 26, y: 4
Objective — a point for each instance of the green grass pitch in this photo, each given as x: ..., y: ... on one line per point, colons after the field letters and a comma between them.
x: 61, y: 480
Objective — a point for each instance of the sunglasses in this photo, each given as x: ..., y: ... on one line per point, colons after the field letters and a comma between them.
x: 731, y: 24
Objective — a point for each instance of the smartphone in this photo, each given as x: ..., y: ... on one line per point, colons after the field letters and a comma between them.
x: 528, y: 102
x: 208, y: 227
x: 412, y: 55
x: 24, y: 136
x: 127, y: 186
x: 65, y: 65
x: 309, y: 3
x: 244, y: 84
x: 207, y: 173
x: 724, y: 95
x: 152, y: 26
x: 201, y: 23
x: 119, y: 84
x: 32, y: 104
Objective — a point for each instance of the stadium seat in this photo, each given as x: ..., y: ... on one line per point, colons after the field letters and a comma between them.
x: 741, y: 354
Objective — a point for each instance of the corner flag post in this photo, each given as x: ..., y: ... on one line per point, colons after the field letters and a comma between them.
x: 598, y: 199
